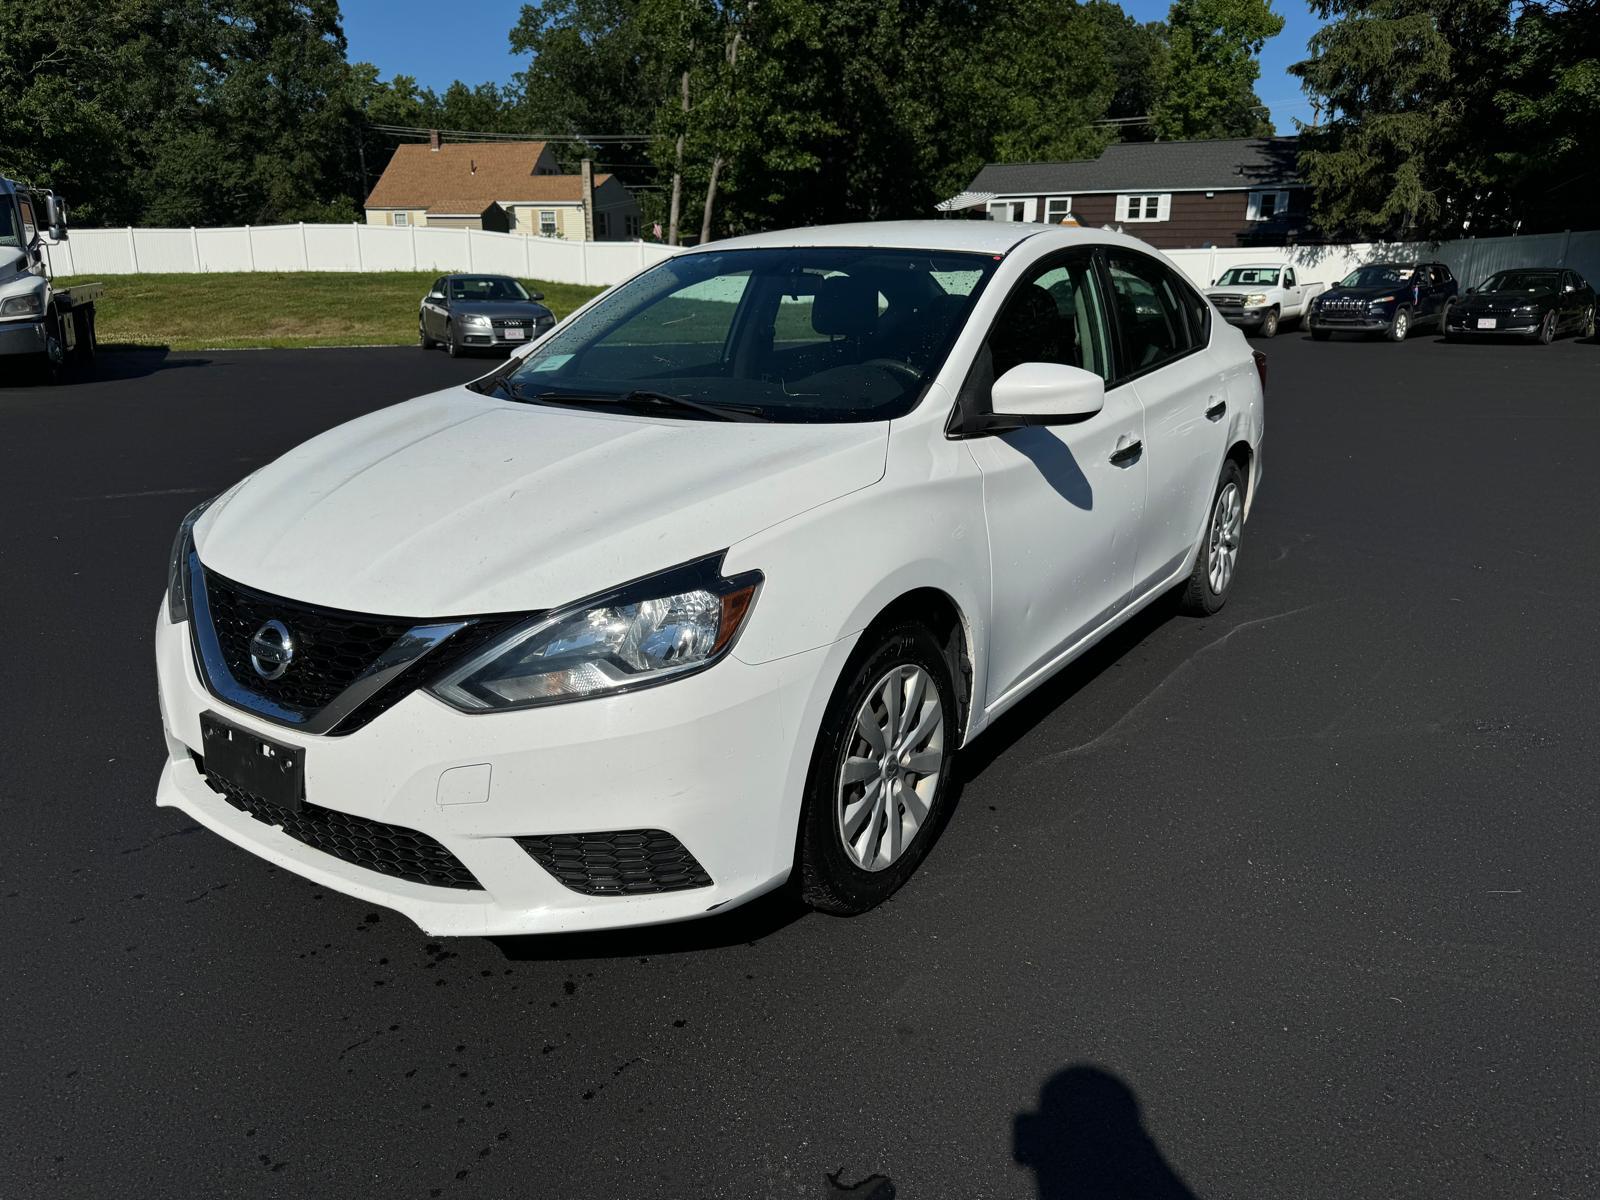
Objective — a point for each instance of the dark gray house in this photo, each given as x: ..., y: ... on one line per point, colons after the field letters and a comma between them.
x: 1226, y: 192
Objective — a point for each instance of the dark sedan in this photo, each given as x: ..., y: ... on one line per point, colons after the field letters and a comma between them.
x: 1390, y: 299
x: 480, y: 312
x: 1533, y: 302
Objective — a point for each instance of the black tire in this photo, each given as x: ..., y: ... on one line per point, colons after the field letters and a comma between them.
x: 1320, y: 335
x: 423, y: 340
x: 1269, y: 324
x: 450, y: 345
x: 1199, y: 597
x: 1587, y: 328
x: 87, y: 346
x: 829, y: 880
x: 1399, y: 326
x: 51, y: 367
x: 1444, y: 316
x: 1547, y: 328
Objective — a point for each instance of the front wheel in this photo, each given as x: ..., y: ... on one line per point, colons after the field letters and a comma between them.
x: 52, y: 364
x: 423, y: 340
x: 1588, y: 324
x: 1269, y: 324
x: 1547, y: 328
x: 450, y: 344
x: 880, y: 772
x: 1218, y: 556
x: 1400, y: 326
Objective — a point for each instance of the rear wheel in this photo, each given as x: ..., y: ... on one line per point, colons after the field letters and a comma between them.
x: 1547, y: 328
x: 879, y: 775
x: 1400, y: 326
x: 1218, y: 556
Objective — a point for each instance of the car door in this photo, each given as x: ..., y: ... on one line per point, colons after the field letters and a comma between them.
x: 1294, y: 299
x: 1062, y: 502
x: 1163, y: 333
x: 1574, y: 300
x: 435, y: 311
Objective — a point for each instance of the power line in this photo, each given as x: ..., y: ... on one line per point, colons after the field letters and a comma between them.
x: 593, y: 139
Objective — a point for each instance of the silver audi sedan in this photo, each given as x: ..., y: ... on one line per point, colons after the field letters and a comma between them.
x: 480, y: 312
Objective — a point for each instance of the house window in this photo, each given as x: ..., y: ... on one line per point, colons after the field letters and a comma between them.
x: 1264, y: 206
x: 402, y: 218
x: 602, y: 225
x: 631, y: 225
x: 1010, y: 210
x: 547, y: 222
x: 1057, y: 209
x: 1144, y: 207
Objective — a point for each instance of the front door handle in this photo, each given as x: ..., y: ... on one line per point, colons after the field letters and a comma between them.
x: 1214, y: 413
x: 1127, y: 451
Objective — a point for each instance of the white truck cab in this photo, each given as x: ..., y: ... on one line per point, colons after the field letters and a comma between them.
x: 1261, y: 296
x: 41, y: 326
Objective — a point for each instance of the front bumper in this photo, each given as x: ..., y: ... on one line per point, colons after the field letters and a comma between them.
x: 1506, y: 324
x: 22, y: 337
x: 717, y: 759
x: 497, y: 339
x: 1245, y: 318
x: 1354, y: 322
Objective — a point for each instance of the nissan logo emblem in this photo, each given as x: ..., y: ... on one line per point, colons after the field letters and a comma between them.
x: 271, y: 650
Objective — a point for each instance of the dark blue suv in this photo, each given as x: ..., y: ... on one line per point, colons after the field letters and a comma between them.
x: 1387, y: 298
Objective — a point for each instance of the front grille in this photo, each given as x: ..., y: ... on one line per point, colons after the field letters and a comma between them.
x: 387, y: 849
x: 629, y: 862
x: 1228, y: 301
x: 509, y: 323
x: 1344, y: 305
x: 332, y: 649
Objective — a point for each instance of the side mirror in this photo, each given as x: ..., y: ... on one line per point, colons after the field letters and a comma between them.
x: 55, y: 216
x: 435, y: 295
x: 1042, y: 393
x: 535, y: 295
x: 1470, y: 291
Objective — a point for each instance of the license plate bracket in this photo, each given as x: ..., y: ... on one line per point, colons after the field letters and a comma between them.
x: 1487, y: 322
x: 513, y: 334
x: 271, y: 770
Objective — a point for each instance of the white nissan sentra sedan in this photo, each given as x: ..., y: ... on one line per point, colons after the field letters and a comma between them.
x: 705, y: 591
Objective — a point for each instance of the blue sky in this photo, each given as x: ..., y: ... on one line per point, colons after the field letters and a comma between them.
x: 409, y: 37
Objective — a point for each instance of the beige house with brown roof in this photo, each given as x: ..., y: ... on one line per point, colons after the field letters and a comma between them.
x: 512, y: 187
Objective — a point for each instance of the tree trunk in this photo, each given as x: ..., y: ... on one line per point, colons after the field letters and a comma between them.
x: 711, y: 199
x: 677, y: 171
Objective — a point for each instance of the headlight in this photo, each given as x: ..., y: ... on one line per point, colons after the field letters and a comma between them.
x: 1381, y: 300
x: 178, y: 564
x: 475, y: 321
x: 30, y: 305
x: 645, y: 633
x: 1254, y: 300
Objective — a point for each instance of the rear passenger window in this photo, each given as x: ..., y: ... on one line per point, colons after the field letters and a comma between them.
x: 1159, y: 317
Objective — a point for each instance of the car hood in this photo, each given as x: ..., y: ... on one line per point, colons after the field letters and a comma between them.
x: 458, y: 503
x: 528, y: 309
x: 1366, y: 293
x: 1506, y: 299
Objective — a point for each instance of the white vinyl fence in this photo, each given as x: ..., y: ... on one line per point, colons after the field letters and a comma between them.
x: 358, y: 247
x: 351, y: 247
x: 1471, y: 260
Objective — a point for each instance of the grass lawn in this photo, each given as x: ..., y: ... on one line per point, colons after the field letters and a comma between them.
x: 287, y: 309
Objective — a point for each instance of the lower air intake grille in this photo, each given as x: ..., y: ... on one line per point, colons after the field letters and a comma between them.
x: 628, y: 862
x: 386, y: 849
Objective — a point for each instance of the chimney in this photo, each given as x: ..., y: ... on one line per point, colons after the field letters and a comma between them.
x: 588, y: 199
x: 433, y: 140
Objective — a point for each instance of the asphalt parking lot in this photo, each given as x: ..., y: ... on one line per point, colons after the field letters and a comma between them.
x: 1295, y: 902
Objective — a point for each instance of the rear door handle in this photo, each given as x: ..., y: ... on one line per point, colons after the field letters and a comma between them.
x: 1127, y: 451
x: 1214, y: 413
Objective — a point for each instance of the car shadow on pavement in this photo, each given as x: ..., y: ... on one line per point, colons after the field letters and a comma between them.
x: 136, y: 363
x: 742, y: 926
x: 1087, y: 1141
x: 1021, y: 720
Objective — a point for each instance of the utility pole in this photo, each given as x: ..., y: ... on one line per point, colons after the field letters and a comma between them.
x: 677, y: 169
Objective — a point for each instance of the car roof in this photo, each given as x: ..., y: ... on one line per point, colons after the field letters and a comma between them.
x: 1258, y: 266
x: 979, y: 237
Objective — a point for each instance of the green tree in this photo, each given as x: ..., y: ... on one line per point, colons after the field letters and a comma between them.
x: 1207, y: 86
x: 1409, y: 147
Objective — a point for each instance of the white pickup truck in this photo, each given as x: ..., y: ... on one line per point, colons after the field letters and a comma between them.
x: 1263, y: 296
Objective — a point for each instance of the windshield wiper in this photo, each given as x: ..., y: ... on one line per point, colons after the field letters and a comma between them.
x: 648, y: 399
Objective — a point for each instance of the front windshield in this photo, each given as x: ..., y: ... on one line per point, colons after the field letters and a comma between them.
x: 1378, y: 276
x: 1522, y: 281
x: 808, y: 333
x: 486, y: 287
x: 1254, y: 276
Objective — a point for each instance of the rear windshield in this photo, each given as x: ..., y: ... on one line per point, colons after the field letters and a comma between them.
x: 807, y: 333
x: 1255, y: 276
